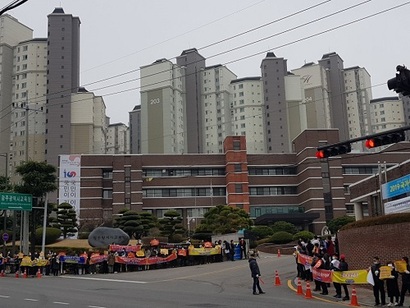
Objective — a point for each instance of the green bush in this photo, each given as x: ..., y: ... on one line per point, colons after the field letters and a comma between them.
x: 305, y: 235
x: 284, y: 226
x: 52, y: 234
x: 381, y: 220
x: 281, y: 237
x: 83, y: 235
x: 337, y: 223
x: 261, y: 231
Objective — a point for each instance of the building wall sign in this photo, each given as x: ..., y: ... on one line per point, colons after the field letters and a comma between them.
x: 397, y: 206
x: 104, y: 236
x: 397, y: 187
x: 69, y: 181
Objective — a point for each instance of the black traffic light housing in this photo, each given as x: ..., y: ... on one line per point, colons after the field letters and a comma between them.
x: 400, y: 83
x: 336, y: 149
x: 380, y: 139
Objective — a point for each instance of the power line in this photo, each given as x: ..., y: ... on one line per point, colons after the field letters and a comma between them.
x: 293, y: 42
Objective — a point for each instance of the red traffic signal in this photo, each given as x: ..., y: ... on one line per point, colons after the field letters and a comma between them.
x: 333, y: 150
x: 370, y: 143
x: 384, y: 139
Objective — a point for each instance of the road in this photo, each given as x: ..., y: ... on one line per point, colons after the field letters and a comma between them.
x: 226, y: 284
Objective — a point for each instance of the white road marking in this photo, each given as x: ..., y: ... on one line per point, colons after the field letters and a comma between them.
x: 4, y: 296
x: 31, y: 300
x: 96, y: 306
x: 104, y: 279
x: 61, y: 303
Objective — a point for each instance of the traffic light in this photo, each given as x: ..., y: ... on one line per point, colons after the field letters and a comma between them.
x: 400, y: 83
x: 333, y: 150
x: 384, y: 139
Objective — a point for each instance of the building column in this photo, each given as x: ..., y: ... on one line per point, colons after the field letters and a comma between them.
x: 358, y: 210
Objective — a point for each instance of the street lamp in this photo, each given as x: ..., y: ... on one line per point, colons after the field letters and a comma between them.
x: 189, y: 219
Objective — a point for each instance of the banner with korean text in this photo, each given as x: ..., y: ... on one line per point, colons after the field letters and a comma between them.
x: 69, y: 181
x: 350, y: 277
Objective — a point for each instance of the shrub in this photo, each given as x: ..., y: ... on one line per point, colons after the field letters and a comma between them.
x: 306, y: 235
x: 52, y: 234
x: 381, y: 220
x: 337, y: 223
x: 281, y: 237
x: 261, y: 231
x: 83, y: 235
x: 284, y: 226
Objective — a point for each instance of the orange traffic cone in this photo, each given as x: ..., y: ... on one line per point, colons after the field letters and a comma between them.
x: 308, y: 291
x: 2, y: 273
x: 277, y: 279
x: 17, y: 274
x: 278, y: 253
x: 25, y: 274
x: 353, y: 301
x: 39, y: 273
x: 300, y: 290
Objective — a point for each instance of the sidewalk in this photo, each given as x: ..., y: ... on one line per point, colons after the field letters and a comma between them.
x: 364, y: 294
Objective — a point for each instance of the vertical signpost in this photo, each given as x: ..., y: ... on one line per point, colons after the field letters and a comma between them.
x: 16, y: 202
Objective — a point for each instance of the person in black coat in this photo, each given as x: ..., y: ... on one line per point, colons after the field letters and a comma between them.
x: 392, y: 285
x: 255, y: 273
x: 405, y: 286
x: 378, y: 288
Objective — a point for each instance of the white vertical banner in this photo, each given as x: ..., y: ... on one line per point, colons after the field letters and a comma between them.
x: 69, y: 181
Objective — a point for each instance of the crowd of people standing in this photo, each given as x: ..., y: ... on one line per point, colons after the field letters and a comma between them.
x: 325, y: 255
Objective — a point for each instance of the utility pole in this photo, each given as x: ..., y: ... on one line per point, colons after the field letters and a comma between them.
x: 25, y: 215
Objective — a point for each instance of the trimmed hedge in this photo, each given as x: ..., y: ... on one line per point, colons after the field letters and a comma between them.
x: 52, y: 234
x: 281, y: 237
x: 380, y: 220
x: 305, y: 235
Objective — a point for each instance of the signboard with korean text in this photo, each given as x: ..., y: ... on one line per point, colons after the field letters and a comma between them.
x: 397, y: 187
x: 13, y: 201
x: 397, y: 206
x: 69, y: 181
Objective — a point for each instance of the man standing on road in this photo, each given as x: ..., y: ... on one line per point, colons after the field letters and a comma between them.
x: 255, y: 273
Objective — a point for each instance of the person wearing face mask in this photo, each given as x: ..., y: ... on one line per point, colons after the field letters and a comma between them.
x: 378, y: 288
x: 392, y: 286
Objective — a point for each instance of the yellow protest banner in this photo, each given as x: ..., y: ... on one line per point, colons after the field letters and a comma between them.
x: 385, y: 272
x: 350, y: 277
x: 400, y: 266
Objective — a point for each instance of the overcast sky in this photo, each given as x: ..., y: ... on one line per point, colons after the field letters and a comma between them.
x: 120, y: 36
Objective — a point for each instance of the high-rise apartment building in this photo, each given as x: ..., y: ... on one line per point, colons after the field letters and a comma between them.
x: 117, y: 141
x: 216, y: 110
x: 163, y: 108
x: 316, y: 92
x: 28, y: 119
x: 247, y: 109
x: 273, y: 71
x: 193, y: 63
x: 63, y: 78
x: 333, y: 65
x: 358, y: 94
x: 12, y: 32
x: 387, y: 113
x: 135, y: 130
x: 88, y: 124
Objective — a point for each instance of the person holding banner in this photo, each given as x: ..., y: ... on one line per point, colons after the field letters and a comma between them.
x: 255, y: 273
x: 343, y: 266
x: 405, y: 286
x: 392, y: 285
x: 378, y: 287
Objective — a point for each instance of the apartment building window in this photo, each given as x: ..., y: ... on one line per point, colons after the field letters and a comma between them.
x: 24, y: 57
x: 238, y: 188
x: 238, y: 168
x: 25, y: 48
x: 240, y: 86
x: 107, y: 174
x: 107, y: 193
